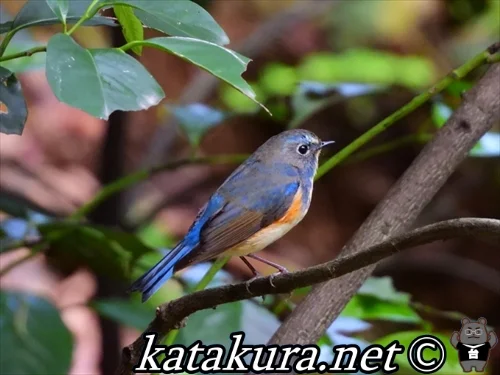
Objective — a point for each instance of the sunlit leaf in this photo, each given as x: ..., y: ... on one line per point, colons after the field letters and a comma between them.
x: 155, y: 235
x: 197, y: 119
x: 368, y: 66
x: 372, y: 308
x: 131, y: 26
x: 34, y: 339
x: 278, y: 79
x: 378, y: 300
x: 13, y: 112
x: 178, y: 18
x: 99, y: 81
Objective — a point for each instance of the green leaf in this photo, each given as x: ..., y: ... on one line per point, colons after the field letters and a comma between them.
x: 451, y: 364
x: 219, y: 61
x: 371, y: 308
x: 215, y: 326
x: 383, y: 289
x: 440, y: 114
x: 196, y: 119
x: 132, y: 27
x: 368, y: 66
x: 278, y: 79
x: 312, y: 97
x: 104, y: 250
x: 378, y: 300
x: 155, y: 235
x: 178, y: 18
x: 130, y: 313
x: 39, y: 13
x: 34, y: 339
x: 11, y: 95
x: 457, y: 88
x: 60, y: 8
x: 98, y: 81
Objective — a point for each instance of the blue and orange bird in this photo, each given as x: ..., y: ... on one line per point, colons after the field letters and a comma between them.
x: 259, y: 202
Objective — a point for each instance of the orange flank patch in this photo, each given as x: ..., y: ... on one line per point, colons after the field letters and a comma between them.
x: 294, y: 213
x: 271, y: 233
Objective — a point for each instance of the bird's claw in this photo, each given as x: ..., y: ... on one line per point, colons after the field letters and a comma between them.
x: 281, y: 271
x: 248, y: 282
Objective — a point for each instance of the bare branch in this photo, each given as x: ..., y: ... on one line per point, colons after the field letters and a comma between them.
x: 173, y: 314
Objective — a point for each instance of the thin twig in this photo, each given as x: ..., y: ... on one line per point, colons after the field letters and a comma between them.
x: 146, y: 173
x: 27, y: 53
x: 457, y: 74
x: 170, y: 315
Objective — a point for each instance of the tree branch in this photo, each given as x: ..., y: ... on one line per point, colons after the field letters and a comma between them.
x: 400, y: 208
x: 173, y: 314
x: 410, y: 107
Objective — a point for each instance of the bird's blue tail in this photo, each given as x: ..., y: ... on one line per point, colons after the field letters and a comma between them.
x: 152, y: 280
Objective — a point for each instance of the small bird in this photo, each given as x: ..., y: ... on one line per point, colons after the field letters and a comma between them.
x: 265, y: 197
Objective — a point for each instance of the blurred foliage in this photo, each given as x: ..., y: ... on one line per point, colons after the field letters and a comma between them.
x: 293, y: 93
x: 196, y: 120
x: 104, y: 250
x: 378, y: 300
x: 34, y: 339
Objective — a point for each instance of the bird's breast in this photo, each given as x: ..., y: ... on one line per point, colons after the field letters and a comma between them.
x: 261, y: 239
x: 276, y: 230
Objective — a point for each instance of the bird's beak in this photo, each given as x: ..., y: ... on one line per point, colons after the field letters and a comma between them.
x: 326, y: 143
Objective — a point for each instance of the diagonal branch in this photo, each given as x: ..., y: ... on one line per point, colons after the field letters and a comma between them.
x: 400, y: 208
x: 173, y: 314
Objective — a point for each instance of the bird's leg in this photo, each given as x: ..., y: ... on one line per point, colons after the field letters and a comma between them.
x: 252, y: 268
x: 281, y: 269
x: 256, y: 274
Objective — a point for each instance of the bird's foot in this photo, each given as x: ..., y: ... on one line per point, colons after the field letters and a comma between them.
x: 249, y: 281
x: 281, y: 270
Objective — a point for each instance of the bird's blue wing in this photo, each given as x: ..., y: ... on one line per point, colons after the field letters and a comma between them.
x: 241, y: 207
x: 240, y: 219
x: 152, y: 280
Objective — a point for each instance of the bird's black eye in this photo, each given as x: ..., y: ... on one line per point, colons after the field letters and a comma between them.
x: 303, y: 149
